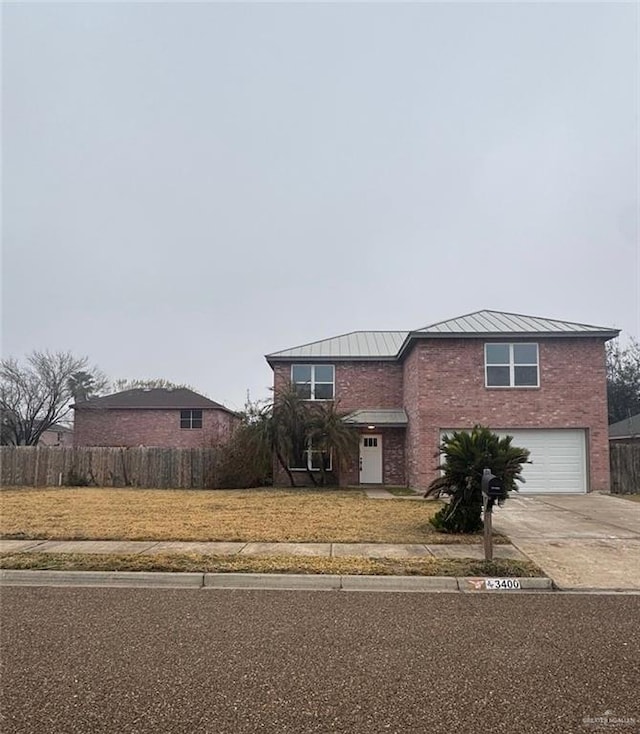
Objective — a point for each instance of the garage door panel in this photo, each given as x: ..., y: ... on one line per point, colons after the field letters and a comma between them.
x: 558, y: 456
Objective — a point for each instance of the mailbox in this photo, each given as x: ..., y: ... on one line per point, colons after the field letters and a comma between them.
x: 492, y: 488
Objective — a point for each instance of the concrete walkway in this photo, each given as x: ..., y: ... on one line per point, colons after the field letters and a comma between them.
x: 582, y: 542
x: 327, y: 550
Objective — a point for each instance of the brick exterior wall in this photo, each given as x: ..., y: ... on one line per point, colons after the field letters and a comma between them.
x: 374, y: 384
x: 444, y: 388
x: 440, y: 384
x: 358, y: 384
x: 156, y: 428
x: 393, y: 459
x: 393, y: 464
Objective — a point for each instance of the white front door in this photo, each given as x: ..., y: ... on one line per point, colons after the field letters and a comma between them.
x: 371, y: 459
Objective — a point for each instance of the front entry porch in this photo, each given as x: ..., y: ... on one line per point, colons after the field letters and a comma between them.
x: 381, y: 452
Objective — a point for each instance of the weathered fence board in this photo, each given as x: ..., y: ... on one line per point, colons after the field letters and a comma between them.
x: 625, y: 468
x: 49, y: 466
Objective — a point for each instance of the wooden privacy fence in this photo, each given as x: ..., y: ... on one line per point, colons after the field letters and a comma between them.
x: 44, y: 466
x: 625, y: 468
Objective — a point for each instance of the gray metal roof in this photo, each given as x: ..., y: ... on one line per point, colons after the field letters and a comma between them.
x: 355, y: 345
x: 500, y: 322
x: 627, y: 428
x: 363, y: 345
x: 378, y: 417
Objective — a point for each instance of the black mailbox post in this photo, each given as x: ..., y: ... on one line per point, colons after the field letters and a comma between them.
x: 492, y: 487
x: 492, y: 490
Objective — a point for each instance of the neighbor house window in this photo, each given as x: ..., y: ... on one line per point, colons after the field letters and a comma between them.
x: 190, y: 419
x: 306, y: 458
x: 313, y: 381
x: 511, y: 365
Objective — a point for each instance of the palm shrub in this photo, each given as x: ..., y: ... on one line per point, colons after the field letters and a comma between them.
x: 285, y: 428
x: 466, y: 454
x: 327, y: 432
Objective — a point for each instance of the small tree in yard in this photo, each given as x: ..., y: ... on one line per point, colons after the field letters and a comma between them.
x: 328, y: 434
x: 286, y: 428
x: 269, y: 429
x: 301, y: 426
x: 246, y: 460
x: 466, y: 454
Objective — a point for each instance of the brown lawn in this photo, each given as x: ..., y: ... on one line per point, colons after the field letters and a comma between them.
x: 191, y: 562
x: 270, y: 515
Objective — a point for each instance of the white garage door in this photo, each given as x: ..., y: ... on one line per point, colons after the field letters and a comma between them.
x: 558, y: 456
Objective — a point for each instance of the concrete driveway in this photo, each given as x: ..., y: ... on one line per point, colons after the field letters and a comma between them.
x: 587, y: 541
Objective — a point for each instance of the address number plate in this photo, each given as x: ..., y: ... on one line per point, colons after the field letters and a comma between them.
x: 502, y: 584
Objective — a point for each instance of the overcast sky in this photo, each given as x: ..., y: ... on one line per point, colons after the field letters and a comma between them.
x: 187, y: 187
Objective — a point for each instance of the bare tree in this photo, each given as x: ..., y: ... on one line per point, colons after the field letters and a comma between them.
x: 36, y: 394
x: 623, y: 379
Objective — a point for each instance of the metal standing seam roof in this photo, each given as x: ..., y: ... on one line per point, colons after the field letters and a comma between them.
x: 356, y: 344
x: 392, y: 344
x: 378, y: 417
x: 500, y: 322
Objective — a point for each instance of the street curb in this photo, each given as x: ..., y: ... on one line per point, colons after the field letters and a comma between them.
x: 310, y: 582
x: 136, y: 579
x: 477, y: 583
x: 399, y: 583
x: 293, y: 581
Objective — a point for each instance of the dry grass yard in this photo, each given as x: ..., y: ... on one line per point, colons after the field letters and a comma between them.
x: 270, y: 515
x: 191, y: 562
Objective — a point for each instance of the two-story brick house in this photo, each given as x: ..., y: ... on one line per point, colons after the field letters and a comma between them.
x: 540, y: 380
x: 153, y: 417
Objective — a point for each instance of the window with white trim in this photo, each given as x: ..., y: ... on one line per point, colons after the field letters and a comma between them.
x: 190, y: 419
x: 511, y: 365
x: 313, y: 381
x: 305, y: 458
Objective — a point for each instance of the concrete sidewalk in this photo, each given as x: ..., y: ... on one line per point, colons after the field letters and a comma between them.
x: 327, y: 550
x: 582, y: 542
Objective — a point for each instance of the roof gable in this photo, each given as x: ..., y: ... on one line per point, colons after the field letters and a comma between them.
x: 503, y: 322
x: 392, y: 345
x: 354, y: 345
x: 151, y: 399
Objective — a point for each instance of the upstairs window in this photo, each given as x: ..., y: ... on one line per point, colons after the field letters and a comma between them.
x: 511, y: 365
x: 313, y: 381
x: 190, y: 419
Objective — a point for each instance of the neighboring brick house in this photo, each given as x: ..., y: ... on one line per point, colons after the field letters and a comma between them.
x: 154, y: 417
x: 540, y: 380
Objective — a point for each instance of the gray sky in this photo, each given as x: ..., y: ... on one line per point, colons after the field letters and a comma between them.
x: 187, y: 187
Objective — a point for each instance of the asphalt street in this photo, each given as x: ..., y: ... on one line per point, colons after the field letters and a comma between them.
x: 138, y: 661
